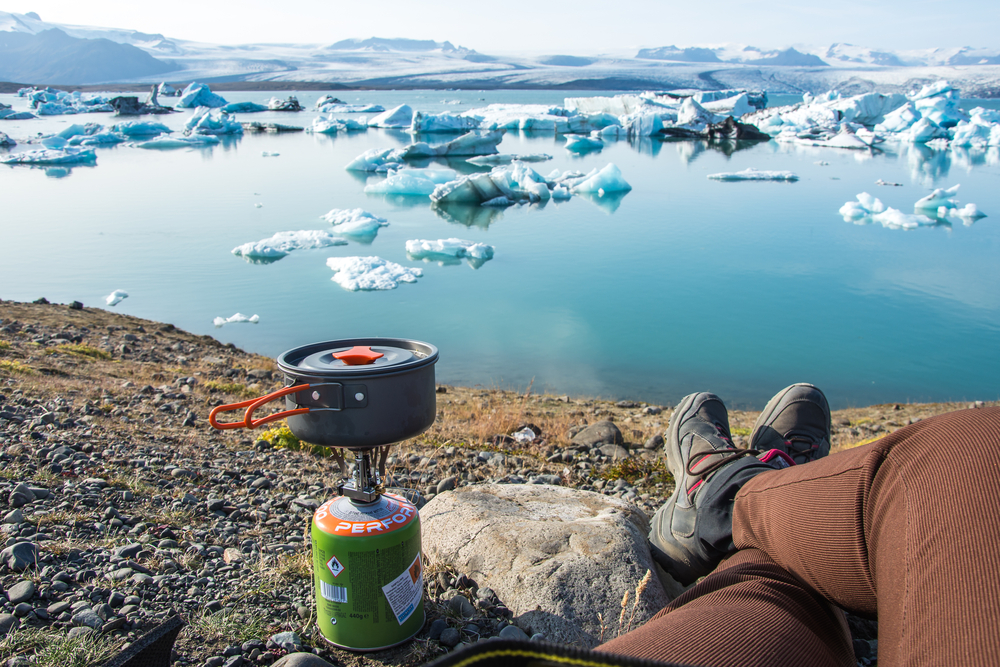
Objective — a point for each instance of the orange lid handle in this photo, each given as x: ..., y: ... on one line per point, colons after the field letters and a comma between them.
x: 358, y: 355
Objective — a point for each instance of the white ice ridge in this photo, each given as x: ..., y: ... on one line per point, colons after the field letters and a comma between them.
x: 398, y: 118
x: 609, y: 179
x: 166, y: 142
x: 68, y: 155
x: 324, y: 124
x: 282, y: 243
x: 412, y: 182
x: 140, y: 128
x: 425, y: 249
x: 52, y: 102
x: 199, y: 95
x: 237, y: 318
x: 384, y: 159
x: 937, y: 199
x: 751, y: 174
x: 370, y: 273
x: 116, y: 297
x: 354, y: 222
x: 330, y: 104
x: 212, y: 121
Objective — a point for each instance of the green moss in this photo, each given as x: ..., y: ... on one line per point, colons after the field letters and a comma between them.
x: 80, y: 351
x: 631, y: 470
x: 234, y: 388
x: 17, y: 368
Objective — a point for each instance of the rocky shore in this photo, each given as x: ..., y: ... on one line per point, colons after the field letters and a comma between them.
x: 121, y: 506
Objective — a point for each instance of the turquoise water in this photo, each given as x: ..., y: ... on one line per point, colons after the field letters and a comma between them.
x: 683, y: 284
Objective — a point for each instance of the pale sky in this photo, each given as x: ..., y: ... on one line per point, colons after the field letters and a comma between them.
x: 575, y: 27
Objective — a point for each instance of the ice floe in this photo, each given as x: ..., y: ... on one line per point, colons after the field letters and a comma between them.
x: 384, y: 159
x: 68, y: 155
x: 427, y: 250
x: 244, y: 107
x: 940, y: 197
x: 116, y: 297
x: 969, y: 212
x: 865, y: 205
x: 282, y: 243
x: 167, y: 142
x: 53, y: 102
x: 507, y: 158
x: 6, y: 142
x: 868, y: 209
x: 355, y: 222
x: 238, y: 318
x: 199, y: 95
x: 324, y: 124
x: 608, y: 179
x: 896, y: 219
x: 10, y: 114
x: 751, y: 174
x: 503, y: 186
x: 400, y: 117
x: 412, y: 181
x: 442, y: 122
x: 329, y: 104
x: 212, y: 121
x: 579, y: 144
x: 140, y: 128
x: 269, y: 154
x: 370, y: 273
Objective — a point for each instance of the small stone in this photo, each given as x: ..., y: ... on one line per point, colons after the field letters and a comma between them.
x: 284, y: 639
x: 15, y: 517
x: 461, y: 605
x: 213, y: 606
x: 233, y: 661
x: 600, y: 433
x: 57, y: 608
x: 8, y: 622
x: 446, y: 484
x: 128, y: 551
x: 656, y: 442
x: 538, y: 637
x: 22, y: 591
x: 261, y: 483
x: 303, y: 611
x: 80, y: 631
x: 450, y: 637
x: 19, y: 556
x: 232, y: 555
x: 437, y: 627
x: 23, y: 609
x: 513, y: 632
x: 302, y: 660
x: 87, y: 618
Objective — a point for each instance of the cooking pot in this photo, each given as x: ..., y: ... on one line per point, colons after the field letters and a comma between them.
x: 356, y: 393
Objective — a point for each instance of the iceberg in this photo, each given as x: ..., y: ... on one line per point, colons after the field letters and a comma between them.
x: 282, y: 243
x: 578, y: 144
x: 610, y: 132
x: 199, y: 95
x: 212, y: 121
x: 938, y: 198
x: 457, y: 248
x: 68, y: 155
x: 969, y: 212
x: 412, y: 182
x: 290, y: 104
x: 244, y: 107
x: 896, y: 219
x: 166, y: 89
x: 400, y: 117
x: 355, y: 222
x: 166, y: 142
x: 6, y: 142
x: 735, y: 106
x: 694, y: 116
x: 507, y: 158
x: 865, y: 206
x: 238, y: 318
x: 370, y: 273
x: 608, y: 179
x: 329, y: 104
x: 502, y: 186
x: 10, y: 114
x: 442, y: 122
x: 384, y: 159
x: 641, y: 124
x: 116, y: 297
x: 751, y: 174
x: 324, y: 124
x: 139, y: 128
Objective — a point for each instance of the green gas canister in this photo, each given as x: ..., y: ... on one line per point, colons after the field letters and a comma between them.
x: 368, y: 572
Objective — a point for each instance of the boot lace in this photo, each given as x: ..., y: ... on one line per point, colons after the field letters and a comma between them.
x: 730, y: 454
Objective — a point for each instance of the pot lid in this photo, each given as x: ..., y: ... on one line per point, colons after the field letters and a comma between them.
x: 357, y: 356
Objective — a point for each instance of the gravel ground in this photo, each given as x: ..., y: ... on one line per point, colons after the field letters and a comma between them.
x: 121, y: 505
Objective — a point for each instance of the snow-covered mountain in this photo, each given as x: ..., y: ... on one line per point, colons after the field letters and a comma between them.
x: 110, y: 55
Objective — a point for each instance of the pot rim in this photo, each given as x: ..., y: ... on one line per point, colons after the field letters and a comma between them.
x: 425, y: 354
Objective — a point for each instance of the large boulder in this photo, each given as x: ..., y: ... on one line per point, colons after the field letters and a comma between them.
x: 597, y: 434
x: 561, y: 559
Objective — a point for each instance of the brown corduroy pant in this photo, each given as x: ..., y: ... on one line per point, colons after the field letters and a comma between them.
x: 905, y: 529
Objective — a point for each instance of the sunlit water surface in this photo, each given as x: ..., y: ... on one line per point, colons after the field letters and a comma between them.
x: 684, y: 284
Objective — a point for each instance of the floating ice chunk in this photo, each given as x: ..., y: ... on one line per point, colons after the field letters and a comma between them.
x: 615, y: 131
x: 400, y: 118
x: 896, y: 219
x: 68, y: 155
x: 899, y: 119
x: 881, y: 182
x: 199, y: 95
x: 384, y: 159
x: 140, y: 128
x: 641, y: 124
x: 238, y: 318
x: 269, y: 154
x: 524, y: 117
x: 695, y: 116
x: 734, y: 106
x: 102, y: 138
x: 166, y: 89
x: 561, y: 193
x: 922, y: 131
x: 258, y: 206
x: 355, y: 222
x: 521, y: 182
x: 376, y: 159
x: 116, y: 297
x: 412, y: 182
x: 442, y: 122
x: 507, y: 158
x: 608, y: 179
x: 865, y: 206
x: 577, y: 144
x: 751, y: 174
x: 166, y: 142
x: 515, y: 183
x: 938, y: 198
x: 425, y: 249
x: 969, y: 212
x: 339, y: 107
x: 244, y: 107
x: 324, y: 124
x: 54, y: 142
x: 370, y: 273
x: 278, y: 104
x: 212, y: 121
x: 283, y: 243
x: 975, y: 134
x: 10, y: 114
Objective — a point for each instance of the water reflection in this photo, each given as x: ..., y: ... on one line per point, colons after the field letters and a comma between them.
x: 690, y: 149
x: 449, y: 260
x: 927, y: 165
x: 468, y: 215
x: 608, y: 202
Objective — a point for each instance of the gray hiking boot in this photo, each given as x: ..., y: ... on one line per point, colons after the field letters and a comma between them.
x: 693, y: 530
x: 797, y: 422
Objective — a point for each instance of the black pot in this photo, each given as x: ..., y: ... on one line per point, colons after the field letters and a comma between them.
x: 356, y: 393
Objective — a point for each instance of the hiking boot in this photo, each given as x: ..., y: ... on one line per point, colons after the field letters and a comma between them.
x: 797, y: 422
x: 693, y: 530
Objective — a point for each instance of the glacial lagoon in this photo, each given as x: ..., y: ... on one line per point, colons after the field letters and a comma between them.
x: 682, y: 284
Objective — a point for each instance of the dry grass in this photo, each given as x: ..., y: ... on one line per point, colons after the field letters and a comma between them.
x: 53, y: 648
x: 16, y: 368
x: 84, y: 351
x: 233, y: 388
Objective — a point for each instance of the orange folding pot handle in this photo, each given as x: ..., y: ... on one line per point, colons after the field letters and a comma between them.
x: 252, y: 404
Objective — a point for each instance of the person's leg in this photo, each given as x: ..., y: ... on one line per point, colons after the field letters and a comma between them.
x: 906, y: 528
